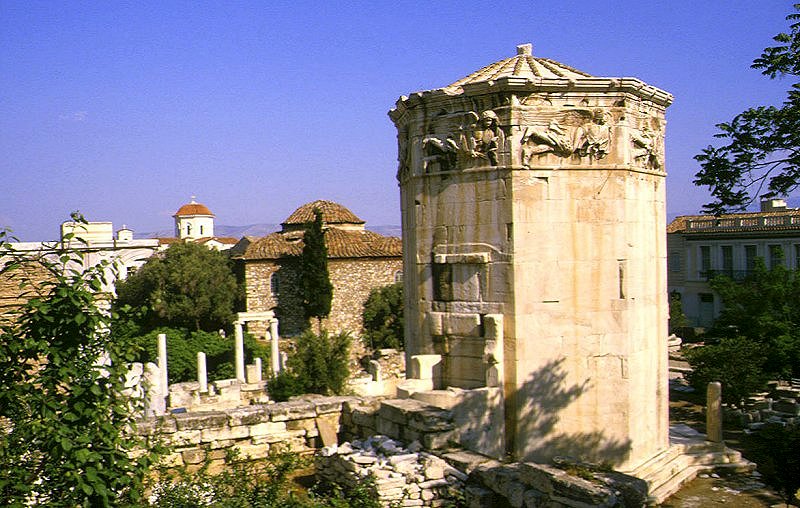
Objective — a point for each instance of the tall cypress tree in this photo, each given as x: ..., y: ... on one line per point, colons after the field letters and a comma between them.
x: 317, y: 287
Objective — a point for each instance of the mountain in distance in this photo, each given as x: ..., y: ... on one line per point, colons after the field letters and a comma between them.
x: 259, y: 230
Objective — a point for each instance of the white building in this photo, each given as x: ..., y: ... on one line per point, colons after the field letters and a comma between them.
x: 700, y: 246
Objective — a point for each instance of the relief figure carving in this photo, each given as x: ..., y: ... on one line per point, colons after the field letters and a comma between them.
x: 470, y: 141
x: 593, y: 138
x: 484, y: 140
x: 552, y: 139
x: 648, y: 146
x: 443, y: 152
x: 578, y: 132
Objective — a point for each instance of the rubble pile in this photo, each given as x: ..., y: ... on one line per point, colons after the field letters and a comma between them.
x: 780, y: 406
x: 403, y: 476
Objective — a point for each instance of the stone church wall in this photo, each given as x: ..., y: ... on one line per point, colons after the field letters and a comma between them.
x: 352, y: 279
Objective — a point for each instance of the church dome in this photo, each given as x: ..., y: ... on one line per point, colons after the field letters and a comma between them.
x: 193, y: 208
x: 332, y: 213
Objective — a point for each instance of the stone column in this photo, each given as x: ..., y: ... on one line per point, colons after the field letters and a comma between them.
x: 202, y: 372
x: 274, y: 354
x: 162, y: 363
x: 239, y: 348
x: 714, y: 412
x: 155, y: 401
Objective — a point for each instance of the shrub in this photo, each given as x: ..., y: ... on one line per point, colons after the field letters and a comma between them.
x: 736, y: 362
x: 65, y: 418
x: 778, y: 450
x: 319, y: 364
x: 383, y: 317
x: 262, y: 484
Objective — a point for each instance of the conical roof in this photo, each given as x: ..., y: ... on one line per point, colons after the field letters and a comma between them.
x: 522, y: 65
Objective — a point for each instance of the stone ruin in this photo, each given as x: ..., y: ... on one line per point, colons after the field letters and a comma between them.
x: 533, y: 205
x: 534, y: 261
x: 534, y: 251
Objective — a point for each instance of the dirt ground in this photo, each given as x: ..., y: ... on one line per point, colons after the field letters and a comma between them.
x: 747, y: 490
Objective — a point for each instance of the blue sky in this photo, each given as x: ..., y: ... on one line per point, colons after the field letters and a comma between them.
x: 123, y: 110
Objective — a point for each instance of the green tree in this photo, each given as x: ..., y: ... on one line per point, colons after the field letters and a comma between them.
x: 315, y: 280
x: 65, y: 420
x: 759, y: 328
x: 383, y: 317
x: 677, y: 319
x: 764, y: 308
x: 762, y: 154
x: 190, y: 286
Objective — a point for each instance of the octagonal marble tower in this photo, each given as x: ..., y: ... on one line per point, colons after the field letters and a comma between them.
x: 534, y: 252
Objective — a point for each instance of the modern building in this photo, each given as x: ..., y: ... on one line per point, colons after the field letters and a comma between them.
x: 358, y: 261
x: 700, y: 246
x: 94, y: 241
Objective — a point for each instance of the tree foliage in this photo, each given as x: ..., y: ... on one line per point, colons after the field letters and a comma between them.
x: 190, y: 286
x: 760, y: 330
x: 736, y: 362
x: 319, y: 364
x: 677, y: 319
x: 762, y: 154
x: 262, y: 484
x: 383, y: 317
x: 315, y: 280
x: 183, y: 346
x: 66, y: 421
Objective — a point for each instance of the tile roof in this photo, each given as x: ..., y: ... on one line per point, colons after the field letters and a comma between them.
x: 341, y: 244
x: 779, y: 220
x: 522, y: 65
x: 332, y: 213
x: 193, y: 209
x: 228, y: 240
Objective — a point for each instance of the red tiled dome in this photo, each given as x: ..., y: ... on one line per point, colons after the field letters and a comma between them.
x: 193, y: 209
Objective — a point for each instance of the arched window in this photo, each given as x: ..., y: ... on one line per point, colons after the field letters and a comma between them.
x: 274, y: 285
x: 398, y: 276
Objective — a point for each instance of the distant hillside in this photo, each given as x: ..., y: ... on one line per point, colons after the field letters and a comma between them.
x: 260, y: 230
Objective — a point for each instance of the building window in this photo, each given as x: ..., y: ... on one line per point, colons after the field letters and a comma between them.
x: 188, y: 229
x: 727, y: 260
x: 705, y: 260
x: 201, y: 230
x: 797, y: 256
x: 750, y: 254
x: 675, y: 261
x: 398, y: 276
x: 274, y: 284
x: 775, y: 256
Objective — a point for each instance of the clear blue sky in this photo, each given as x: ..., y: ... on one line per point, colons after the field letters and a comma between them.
x: 125, y: 110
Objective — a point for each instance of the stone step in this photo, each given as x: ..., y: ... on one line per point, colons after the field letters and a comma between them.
x: 666, y: 476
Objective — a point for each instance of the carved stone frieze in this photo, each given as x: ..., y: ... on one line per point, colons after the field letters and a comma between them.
x: 463, y: 140
x: 648, y: 144
x: 568, y: 133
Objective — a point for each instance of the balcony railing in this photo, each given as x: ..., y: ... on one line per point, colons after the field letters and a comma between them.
x: 733, y: 274
x: 722, y: 224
